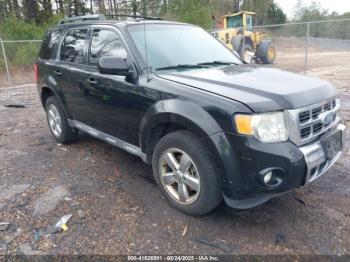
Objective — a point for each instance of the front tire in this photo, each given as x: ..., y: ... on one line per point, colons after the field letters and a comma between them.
x: 58, y: 122
x: 185, y: 173
x: 267, y: 52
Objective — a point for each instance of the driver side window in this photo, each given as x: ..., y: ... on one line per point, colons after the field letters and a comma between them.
x: 105, y: 43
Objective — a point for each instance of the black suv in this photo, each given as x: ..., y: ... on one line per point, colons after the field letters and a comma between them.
x: 212, y: 127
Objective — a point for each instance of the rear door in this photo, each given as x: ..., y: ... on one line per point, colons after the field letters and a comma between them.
x: 47, y: 62
x: 72, y: 62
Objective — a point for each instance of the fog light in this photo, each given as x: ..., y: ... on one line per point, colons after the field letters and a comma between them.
x: 267, y: 177
x: 271, y: 177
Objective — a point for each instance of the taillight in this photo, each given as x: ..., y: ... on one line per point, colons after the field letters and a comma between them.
x: 36, y: 72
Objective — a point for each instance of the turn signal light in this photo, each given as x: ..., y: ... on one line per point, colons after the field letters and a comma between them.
x: 244, y: 124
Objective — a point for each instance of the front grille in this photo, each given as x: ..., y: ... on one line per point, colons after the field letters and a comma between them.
x: 308, y: 123
x: 317, y: 128
x: 314, y: 126
x: 304, y: 116
x: 305, y: 132
x: 316, y: 112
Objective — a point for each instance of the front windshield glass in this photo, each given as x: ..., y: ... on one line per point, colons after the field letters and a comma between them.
x: 235, y: 21
x: 173, y: 45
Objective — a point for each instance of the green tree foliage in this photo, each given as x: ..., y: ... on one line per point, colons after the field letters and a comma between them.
x: 260, y: 7
x: 197, y: 12
x: 275, y: 15
x: 313, y: 12
x: 15, y: 29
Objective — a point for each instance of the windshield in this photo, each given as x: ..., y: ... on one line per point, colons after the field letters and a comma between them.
x: 173, y: 45
x: 235, y: 21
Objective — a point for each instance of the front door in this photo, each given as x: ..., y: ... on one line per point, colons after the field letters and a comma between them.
x: 115, y: 103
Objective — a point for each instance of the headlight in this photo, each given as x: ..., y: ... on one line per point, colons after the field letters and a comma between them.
x: 268, y: 127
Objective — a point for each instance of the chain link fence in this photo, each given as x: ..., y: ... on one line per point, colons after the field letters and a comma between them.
x: 320, y: 47
x: 16, y: 61
x: 311, y: 46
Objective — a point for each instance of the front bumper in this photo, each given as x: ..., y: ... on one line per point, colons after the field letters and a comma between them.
x: 244, y: 158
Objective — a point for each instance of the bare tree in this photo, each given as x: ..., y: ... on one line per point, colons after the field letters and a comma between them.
x: 31, y: 10
x: 60, y: 7
x: 101, y: 6
x: 47, y: 6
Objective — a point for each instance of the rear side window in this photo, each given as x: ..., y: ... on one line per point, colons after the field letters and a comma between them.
x: 49, y: 45
x: 73, y: 46
x: 105, y: 43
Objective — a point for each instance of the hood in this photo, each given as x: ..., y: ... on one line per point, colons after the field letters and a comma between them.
x: 260, y: 88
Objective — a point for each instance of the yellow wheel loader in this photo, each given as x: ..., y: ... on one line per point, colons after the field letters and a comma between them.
x: 238, y: 35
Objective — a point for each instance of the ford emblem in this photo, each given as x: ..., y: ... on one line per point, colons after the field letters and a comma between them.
x: 328, y: 119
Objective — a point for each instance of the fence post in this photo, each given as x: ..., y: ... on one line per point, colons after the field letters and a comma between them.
x: 307, y: 46
x: 6, y: 64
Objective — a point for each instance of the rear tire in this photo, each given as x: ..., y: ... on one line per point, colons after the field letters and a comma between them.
x: 191, y: 170
x: 58, y: 121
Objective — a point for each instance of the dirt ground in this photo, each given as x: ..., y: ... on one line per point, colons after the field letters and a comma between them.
x: 117, y: 208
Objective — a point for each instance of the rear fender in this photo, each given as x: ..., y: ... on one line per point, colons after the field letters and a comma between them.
x: 49, y: 82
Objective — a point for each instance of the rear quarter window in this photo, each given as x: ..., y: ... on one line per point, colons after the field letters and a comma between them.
x: 50, y: 44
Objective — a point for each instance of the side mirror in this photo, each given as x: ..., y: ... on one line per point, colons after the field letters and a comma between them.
x: 113, y: 66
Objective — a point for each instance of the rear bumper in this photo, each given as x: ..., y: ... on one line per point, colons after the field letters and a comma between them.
x: 244, y: 158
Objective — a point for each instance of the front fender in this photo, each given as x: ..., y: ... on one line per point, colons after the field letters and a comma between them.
x: 200, y: 122
x: 184, y: 113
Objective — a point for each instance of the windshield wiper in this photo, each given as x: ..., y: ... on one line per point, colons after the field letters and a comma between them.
x: 180, y: 66
x: 217, y: 63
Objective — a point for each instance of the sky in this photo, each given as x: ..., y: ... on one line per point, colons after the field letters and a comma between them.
x: 340, y: 6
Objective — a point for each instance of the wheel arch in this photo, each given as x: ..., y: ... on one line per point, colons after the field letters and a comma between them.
x: 45, y: 93
x: 172, y: 115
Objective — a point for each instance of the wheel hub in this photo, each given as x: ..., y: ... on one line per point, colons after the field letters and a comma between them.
x: 179, y: 176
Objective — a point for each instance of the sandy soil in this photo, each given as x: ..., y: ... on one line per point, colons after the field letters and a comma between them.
x: 117, y: 208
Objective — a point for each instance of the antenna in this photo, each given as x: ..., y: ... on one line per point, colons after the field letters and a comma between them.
x: 146, y: 51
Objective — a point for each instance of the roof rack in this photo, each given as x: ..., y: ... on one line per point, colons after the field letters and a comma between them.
x: 102, y: 18
x: 136, y: 17
x: 82, y: 18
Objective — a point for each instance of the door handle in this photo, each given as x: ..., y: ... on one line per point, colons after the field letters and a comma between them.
x: 92, y: 81
x: 58, y: 72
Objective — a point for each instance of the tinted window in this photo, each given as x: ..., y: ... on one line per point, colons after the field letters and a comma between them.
x: 49, y: 45
x: 105, y: 43
x: 73, y: 46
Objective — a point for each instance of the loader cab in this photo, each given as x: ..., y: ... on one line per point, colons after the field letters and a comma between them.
x: 241, y: 19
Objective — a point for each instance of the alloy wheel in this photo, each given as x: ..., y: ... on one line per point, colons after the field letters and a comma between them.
x: 179, y: 176
x: 55, y: 121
